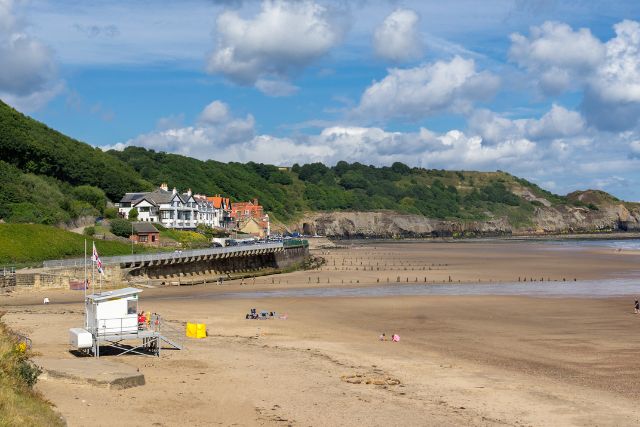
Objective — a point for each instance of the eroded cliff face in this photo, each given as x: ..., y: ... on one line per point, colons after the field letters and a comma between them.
x: 545, y: 219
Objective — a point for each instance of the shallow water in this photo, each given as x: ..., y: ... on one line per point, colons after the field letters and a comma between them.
x: 626, y: 283
x: 584, y: 288
x: 622, y: 244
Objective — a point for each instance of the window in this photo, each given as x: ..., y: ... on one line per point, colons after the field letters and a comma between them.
x: 132, y: 306
x: 143, y: 238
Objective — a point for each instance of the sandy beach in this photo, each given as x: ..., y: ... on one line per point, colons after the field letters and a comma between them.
x: 462, y: 359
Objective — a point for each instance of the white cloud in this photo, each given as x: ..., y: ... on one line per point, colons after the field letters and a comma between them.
x: 398, y: 37
x: 557, y: 54
x: 618, y: 77
x: 612, y: 99
x: 422, y: 91
x: 559, y: 58
x: 281, y: 39
x: 557, y: 123
x: 276, y: 87
x: 216, y: 132
x: 215, y: 113
x: 634, y: 146
x: 27, y: 68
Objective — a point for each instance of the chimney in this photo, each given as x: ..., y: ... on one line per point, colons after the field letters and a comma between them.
x: 189, y: 192
x: 164, y: 186
x: 174, y: 190
x: 255, y: 202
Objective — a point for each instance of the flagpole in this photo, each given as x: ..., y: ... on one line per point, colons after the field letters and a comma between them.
x: 84, y: 284
x: 93, y: 285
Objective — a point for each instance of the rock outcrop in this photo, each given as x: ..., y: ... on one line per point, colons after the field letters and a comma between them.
x: 545, y: 220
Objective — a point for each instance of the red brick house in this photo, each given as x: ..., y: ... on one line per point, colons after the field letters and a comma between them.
x: 145, y: 233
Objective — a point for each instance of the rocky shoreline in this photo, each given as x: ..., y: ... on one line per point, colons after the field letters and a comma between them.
x: 545, y: 221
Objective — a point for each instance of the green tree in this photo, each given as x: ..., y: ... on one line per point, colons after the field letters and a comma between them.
x: 92, y: 195
x: 133, y: 214
x: 121, y: 227
x: 111, y: 213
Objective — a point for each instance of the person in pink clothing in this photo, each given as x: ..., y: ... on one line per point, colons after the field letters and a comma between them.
x: 395, y: 338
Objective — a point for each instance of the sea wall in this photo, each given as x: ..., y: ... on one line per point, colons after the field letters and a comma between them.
x: 187, y: 270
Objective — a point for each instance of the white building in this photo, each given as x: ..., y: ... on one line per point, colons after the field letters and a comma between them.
x: 174, y: 210
x: 169, y: 208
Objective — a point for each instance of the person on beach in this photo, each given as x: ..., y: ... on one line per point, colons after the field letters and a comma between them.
x: 382, y: 337
x: 395, y: 338
x: 637, y: 307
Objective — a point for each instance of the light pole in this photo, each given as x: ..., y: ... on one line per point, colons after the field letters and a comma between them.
x: 131, y: 238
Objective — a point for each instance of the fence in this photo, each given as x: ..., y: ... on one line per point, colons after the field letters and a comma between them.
x: 291, y: 243
x: 7, y: 277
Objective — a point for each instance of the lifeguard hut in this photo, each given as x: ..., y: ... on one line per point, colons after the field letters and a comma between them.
x: 111, y: 317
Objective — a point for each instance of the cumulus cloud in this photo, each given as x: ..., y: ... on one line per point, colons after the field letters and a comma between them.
x: 559, y: 58
x: 612, y: 99
x: 215, y: 113
x: 618, y: 77
x: 27, y: 70
x: 557, y: 54
x: 221, y: 136
x: 398, y: 37
x: 557, y: 123
x: 279, y: 41
x: 634, y: 147
x: 429, y: 89
x: 216, y: 132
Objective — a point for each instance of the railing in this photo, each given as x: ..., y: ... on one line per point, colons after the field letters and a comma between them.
x: 115, y: 326
x: 163, y: 256
x: 289, y: 243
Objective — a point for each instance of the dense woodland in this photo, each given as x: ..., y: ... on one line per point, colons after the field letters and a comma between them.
x: 50, y: 178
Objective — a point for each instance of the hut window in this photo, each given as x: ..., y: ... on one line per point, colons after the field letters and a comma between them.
x: 132, y: 306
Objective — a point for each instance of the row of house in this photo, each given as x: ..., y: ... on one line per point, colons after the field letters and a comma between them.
x: 173, y: 209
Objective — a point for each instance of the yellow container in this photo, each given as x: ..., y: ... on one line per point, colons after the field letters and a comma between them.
x: 201, y: 330
x: 196, y: 330
x: 192, y: 330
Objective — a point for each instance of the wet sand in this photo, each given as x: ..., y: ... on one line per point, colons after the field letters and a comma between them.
x: 462, y: 360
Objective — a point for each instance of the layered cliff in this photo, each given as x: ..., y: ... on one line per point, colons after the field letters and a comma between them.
x: 602, y: 214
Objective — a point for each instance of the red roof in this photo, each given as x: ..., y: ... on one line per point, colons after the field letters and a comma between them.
x: 218, y: 201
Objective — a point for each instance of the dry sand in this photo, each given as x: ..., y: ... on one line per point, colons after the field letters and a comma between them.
x: 462, y: 360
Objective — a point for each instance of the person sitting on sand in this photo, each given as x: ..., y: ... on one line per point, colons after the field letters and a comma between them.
x: 637, y: 307
x: 382, y: 337
x: 395, y: 338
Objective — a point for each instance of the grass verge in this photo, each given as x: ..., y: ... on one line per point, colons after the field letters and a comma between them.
x: 28, y: 244
x: 20, y: 405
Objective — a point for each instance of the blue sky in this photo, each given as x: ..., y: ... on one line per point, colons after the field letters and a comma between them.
x: 547, y: 90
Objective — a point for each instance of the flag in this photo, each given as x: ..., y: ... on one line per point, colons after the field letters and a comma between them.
x: 96, y: 258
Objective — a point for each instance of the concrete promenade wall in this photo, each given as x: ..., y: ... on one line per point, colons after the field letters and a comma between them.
x: 184, y: 267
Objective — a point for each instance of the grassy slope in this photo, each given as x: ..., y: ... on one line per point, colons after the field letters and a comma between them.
x: 30, y: 243
x: 34, y: 147
x: 288, y: 194
x: 19, y: 404
x: 40, y: 152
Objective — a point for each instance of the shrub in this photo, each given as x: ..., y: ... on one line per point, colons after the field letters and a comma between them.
x: 133, y: 214
x: 92, y: 195
x: 89, y: 231
x: 28, y: 372
x: 111, y: 213
x: 121, y: 227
